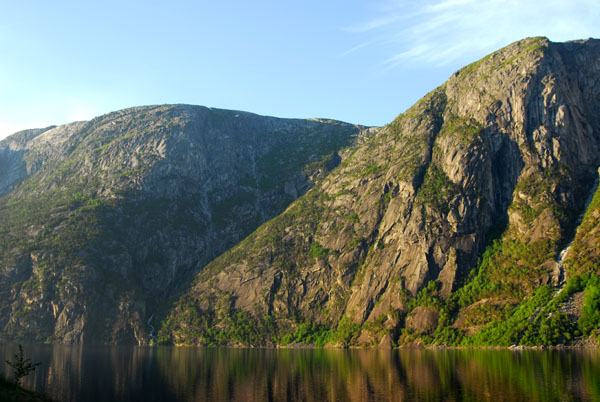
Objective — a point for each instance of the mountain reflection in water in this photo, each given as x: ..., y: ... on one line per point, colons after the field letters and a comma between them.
x: 123, y: 373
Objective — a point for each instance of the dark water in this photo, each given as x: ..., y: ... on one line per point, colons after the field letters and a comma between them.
x: 76, y: 373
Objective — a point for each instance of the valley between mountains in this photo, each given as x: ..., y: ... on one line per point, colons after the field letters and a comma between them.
x: 472, y: 219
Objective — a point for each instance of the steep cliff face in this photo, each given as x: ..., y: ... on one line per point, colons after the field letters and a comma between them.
x: 101, y: 221
x: 385, y: 249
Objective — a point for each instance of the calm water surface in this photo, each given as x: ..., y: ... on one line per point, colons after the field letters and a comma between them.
x: 90, y: 374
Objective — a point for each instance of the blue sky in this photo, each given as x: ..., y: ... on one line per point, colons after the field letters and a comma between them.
x: 358, y: 61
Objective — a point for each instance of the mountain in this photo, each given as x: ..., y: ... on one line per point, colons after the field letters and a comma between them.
x: 471, y: 219
x: 451, y: 225
x: 101, y: 222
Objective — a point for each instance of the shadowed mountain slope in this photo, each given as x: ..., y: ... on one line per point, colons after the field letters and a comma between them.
x: 101, y: 221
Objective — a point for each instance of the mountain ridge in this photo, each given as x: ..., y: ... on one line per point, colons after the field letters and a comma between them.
x: 390, y: 257
x: 127, y: 205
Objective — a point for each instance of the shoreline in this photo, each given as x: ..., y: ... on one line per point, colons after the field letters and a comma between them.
x: 297, y: 346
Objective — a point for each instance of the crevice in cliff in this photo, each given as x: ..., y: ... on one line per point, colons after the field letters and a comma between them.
x: 506, y: 166
x: 273, y: 290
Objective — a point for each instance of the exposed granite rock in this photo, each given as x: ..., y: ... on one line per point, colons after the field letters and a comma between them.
x: 422, y: 320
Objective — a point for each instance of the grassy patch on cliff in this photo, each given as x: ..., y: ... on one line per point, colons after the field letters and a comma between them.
x: 437, y: 190
x: 465, y: 131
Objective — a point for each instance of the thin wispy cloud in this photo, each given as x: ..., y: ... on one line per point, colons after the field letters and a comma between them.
x: 374, y: 24
x: 439, y: 32
x: 356, y: 48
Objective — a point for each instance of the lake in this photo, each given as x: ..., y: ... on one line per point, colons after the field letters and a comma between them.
x: 125, y: 373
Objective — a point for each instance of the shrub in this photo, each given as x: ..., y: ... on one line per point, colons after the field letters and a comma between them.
x: 21, y: 367
x: 590, y: 312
